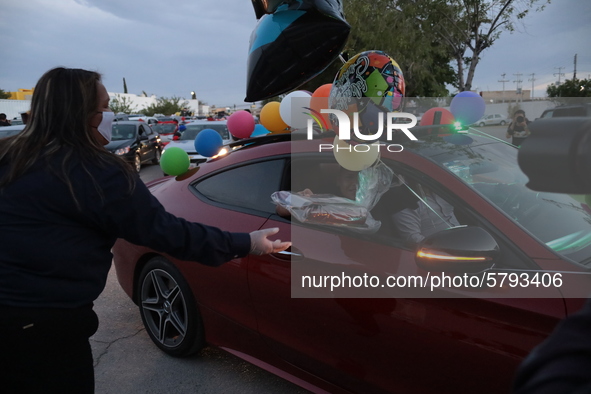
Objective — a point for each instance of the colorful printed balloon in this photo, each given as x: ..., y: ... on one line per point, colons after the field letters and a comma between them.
x: 369, y: 84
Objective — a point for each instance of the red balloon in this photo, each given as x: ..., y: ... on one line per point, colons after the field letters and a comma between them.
x: 430, y: 117
x: 241, y: 124
x: 319, y: 101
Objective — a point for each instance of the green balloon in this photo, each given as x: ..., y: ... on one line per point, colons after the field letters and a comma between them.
x: 174, y: 161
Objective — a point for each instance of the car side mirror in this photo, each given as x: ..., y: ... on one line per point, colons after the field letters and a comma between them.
x: 143, y: 137
x: 468, y: 249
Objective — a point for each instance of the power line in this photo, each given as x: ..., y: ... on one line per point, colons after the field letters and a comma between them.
x: 503, y: 81
x: 518, y: 86
x: 532, y: 79
x: 559, y: 73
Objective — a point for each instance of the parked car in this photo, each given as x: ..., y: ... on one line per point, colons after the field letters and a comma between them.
x: 148, y: 119
x: 583, y: 109
x: 493, y: 119
x: 166, y: 130
x: 186, y: 141
x: 136, y: 142
x: 7, y: 131
x: 399, y: 339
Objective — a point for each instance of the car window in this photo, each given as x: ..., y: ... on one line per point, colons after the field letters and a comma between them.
x: 193, y: 129
x: 492, y: 170
x: 249, y: 186
x: 123, y: 132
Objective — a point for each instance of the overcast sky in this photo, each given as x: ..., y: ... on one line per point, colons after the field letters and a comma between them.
x: 172, y: 47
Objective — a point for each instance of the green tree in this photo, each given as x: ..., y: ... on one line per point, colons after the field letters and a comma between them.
x: 122, y: 105
x: 467, y: 27
x: 570, y: 91
x: 167, y: 106
x: 4, y: 95
x: 379, y: 25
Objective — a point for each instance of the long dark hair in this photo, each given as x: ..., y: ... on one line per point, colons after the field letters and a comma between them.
x: 63, y: 102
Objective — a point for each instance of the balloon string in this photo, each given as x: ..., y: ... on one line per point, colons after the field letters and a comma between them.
x: 342, y: 58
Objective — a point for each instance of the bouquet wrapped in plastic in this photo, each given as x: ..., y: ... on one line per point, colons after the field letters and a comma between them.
x: 331, y: 210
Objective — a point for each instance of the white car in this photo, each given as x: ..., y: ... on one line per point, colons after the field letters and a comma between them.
x: 493, y: 119
x: 148, y: 119
x: 7, y: 131
x: 187, y: 139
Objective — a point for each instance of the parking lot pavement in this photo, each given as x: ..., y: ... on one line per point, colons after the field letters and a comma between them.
x: 126, y: 360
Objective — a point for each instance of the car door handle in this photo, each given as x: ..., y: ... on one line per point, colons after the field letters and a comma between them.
x: 291, y: 253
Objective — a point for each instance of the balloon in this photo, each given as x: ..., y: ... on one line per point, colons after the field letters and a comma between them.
x: 259, y: 130
x: 355, y: 160
x: 271, y: 118
x: 318, y: 102
x: 241, y: 124
x: 467, y: 107
x: 208, y: 142
x: 289, y: 47
x: 369, y: 84
x: 294, y: 109
x: 174, y: 161
x: 182, y: 127
x: 429, y: 117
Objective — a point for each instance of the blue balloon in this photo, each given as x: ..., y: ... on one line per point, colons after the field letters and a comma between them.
x: 182, y: 127
x: 259, y: 129
x: 208, y: 142
x: 467, y: 107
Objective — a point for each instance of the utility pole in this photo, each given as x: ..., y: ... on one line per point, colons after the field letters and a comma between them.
x: 559, y: 73
x: 503, y: 81
x: 518, y: 82
x: 532, y: 79
x: 575, y: 72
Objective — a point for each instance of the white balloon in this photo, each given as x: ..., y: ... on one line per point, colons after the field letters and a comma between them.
x: 293, y: 109
x: 355, y: 157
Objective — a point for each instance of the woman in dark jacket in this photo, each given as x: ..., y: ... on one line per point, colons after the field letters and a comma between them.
x: 64, y: 201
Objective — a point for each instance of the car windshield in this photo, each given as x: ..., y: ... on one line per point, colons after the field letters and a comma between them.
x: 561, y: 221
x: 193, y: 129
x: 164, y: 128
x: 123, y: 132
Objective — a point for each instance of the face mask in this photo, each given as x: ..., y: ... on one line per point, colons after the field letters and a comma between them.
x: 106, y: 125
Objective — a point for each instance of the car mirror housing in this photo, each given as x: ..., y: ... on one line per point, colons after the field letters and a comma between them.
x: 467, y: 249
x: 143, y: 137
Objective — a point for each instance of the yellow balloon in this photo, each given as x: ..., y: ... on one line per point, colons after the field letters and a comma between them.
x: 271, y: 118
x: 355, y: 157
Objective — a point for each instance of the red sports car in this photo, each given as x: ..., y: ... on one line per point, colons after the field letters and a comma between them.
x: 355, y: 306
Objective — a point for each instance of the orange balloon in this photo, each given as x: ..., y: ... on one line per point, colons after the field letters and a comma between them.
x: 319, y: 101
x: 271, y: 118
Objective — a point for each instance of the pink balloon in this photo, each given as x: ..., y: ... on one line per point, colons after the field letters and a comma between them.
x: 241, y: 124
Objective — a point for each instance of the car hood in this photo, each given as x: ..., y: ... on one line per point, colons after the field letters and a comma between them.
x: 114, y: 145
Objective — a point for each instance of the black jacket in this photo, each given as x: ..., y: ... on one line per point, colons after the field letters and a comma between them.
x: 54, y: 255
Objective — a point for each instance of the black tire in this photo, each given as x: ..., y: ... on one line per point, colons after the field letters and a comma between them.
x: 137, y: 163
x: 481, y: 124
x: 168, y: 309
x: 157, y: 155
x: 503, y: 123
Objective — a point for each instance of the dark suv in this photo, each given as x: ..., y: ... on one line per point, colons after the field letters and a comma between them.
x: 568, y: 110
x: 136, y: 142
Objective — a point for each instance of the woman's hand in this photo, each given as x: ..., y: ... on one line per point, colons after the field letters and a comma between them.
x: 259, y: 244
